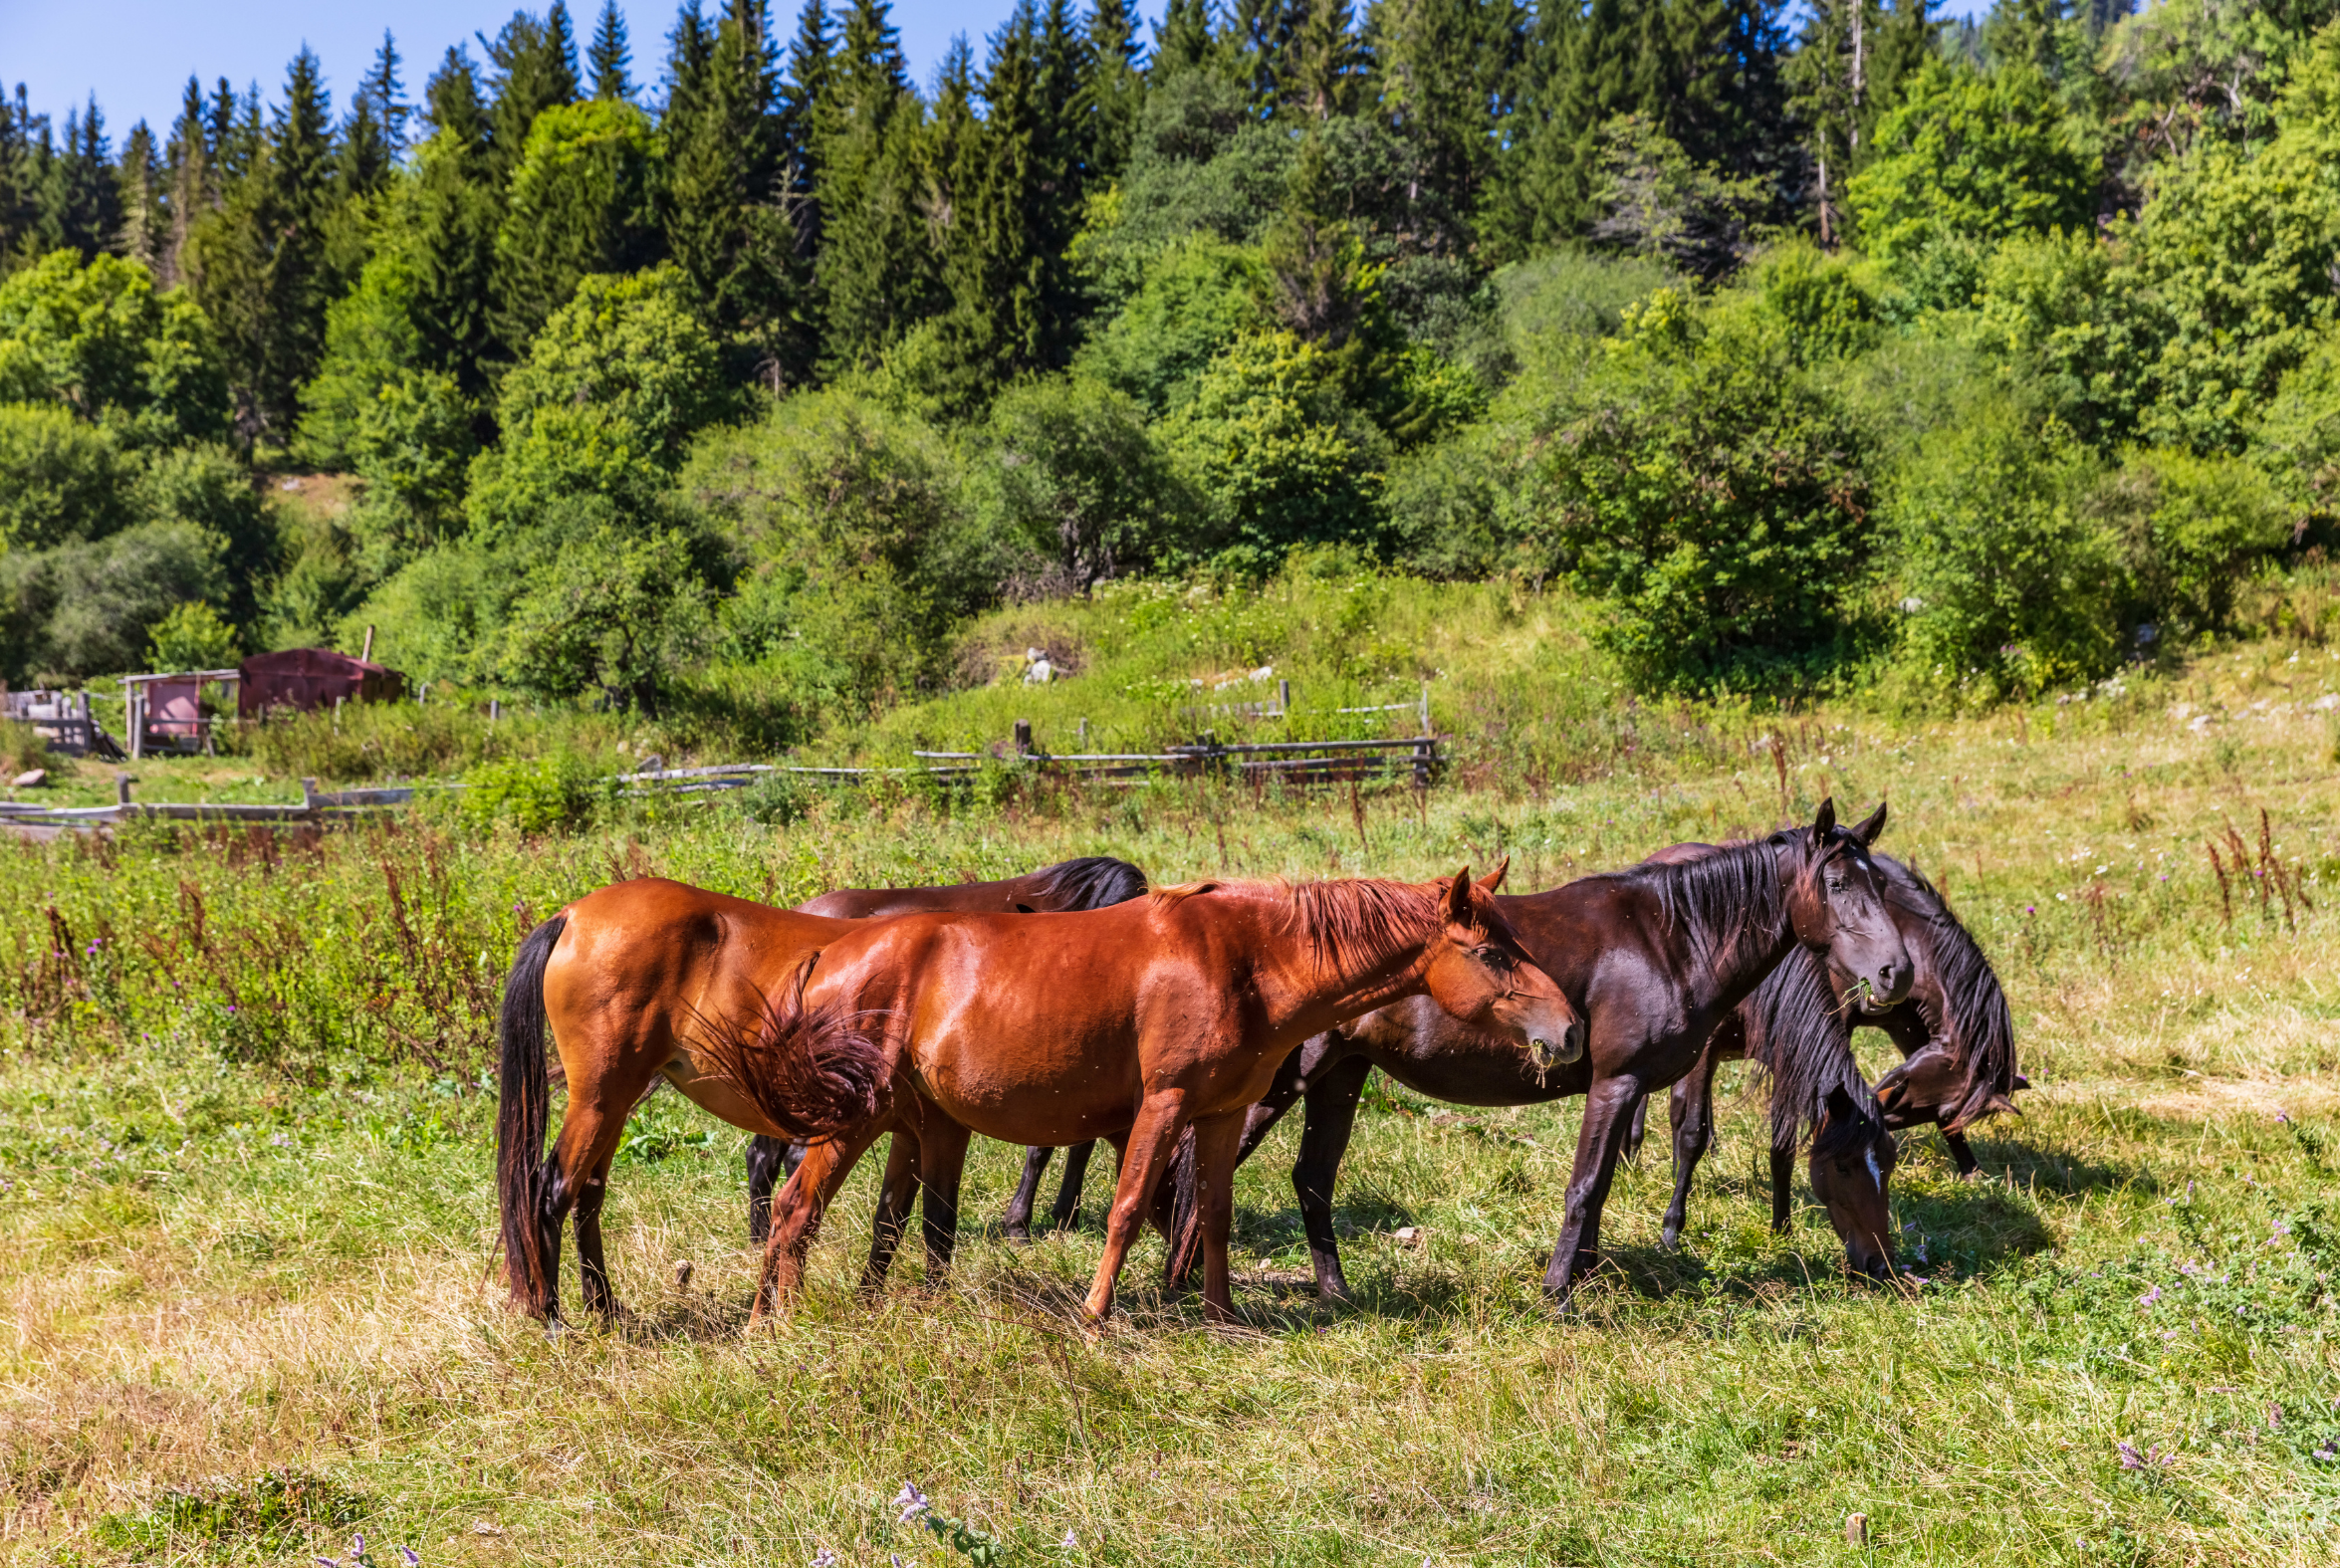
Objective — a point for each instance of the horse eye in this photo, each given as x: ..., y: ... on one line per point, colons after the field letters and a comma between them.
x: 1495, y: 958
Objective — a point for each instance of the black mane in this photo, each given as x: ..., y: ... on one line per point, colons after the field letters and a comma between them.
x: 1979, y: 1027
x: 1091, y: 882
x: 1798, y: 1034
x: 1726, y: 896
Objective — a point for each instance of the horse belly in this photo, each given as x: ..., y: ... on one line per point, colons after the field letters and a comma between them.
x: 1030, y: 1078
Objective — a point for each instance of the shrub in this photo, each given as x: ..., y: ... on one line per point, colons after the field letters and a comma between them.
x: 191, y: 638
x: 537, y: 795
x: 610, y: 611
x: 60, y: 479
x: 88, y: 608
x: 2195, y: 529
x: 96, y: 337
x: 2006, y: 577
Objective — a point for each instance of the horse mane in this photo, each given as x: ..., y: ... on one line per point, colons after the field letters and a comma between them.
x: 1979, y: 1024
x: 1348, y: 923
x: 1800, y: 1038
x: 1091, y: 882
x: 1721, y: 899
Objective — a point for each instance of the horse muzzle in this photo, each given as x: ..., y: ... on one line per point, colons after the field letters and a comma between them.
x: 1556, y: 1047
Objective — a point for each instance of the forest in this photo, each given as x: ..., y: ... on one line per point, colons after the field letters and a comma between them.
x: 1836, y: 351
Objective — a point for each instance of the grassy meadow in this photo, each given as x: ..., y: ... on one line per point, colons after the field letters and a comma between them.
x: 246, y: 1206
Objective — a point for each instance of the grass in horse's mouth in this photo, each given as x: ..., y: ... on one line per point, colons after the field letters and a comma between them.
x: 250, y: 1244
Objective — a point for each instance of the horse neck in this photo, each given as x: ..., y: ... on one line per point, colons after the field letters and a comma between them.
x: 1735, y: 968
x: 1320, y: 985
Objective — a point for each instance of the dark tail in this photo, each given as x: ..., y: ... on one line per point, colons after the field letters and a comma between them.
x: 523, y: 1107
x: 813, y: 1071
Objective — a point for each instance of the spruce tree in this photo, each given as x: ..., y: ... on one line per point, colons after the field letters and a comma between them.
x: 1444, y: 76
x: 1844, y: 77
x: 801, y: 93
x: 1325, y: 61
x: 1182, y: 39
x: 535, y: 68
x: 451, y: 212
x: 728, y: 222
x: 611, y: 56
x: 1258, y: 46
x: 146, y: 219
x: 192, y: 189
x: 875, y: 273
x: 995, y: 268
x: 79, y: 199
x: 1114, y: 89
x: 387, y: 93
x: 21, y: 132
x: 261, y: 267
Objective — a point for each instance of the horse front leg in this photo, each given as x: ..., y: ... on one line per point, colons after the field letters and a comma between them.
x: 1963, y: 1153
x: 1325, y: 1128
x: 1145, y: 1154
x: 1783, y: 1190
x: 1607, y: 1110
x: 942, y: 1162
x: 896, y: 1190
x: 1019, y: 1217
x: 769, y: 1163
x: 1636, y: 1129
x: 1215, y: 1142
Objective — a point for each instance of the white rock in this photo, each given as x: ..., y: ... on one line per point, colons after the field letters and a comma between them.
x: 30, y: 781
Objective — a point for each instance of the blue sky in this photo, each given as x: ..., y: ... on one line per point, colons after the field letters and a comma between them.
x: 135, y: 55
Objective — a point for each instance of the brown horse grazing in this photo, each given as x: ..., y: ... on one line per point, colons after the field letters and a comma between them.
x: 1954, y: 1030
x: 1135, y: 1023
x: 635, y: 979
x: 1091, y: 882
x: 1655, y: 957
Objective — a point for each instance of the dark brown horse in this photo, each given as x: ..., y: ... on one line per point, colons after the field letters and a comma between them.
x: 634, y: 980
x: 1954, y: 1030
x: 1655, y: 958
x: 1135, y: 1023
x: 1091, y: 882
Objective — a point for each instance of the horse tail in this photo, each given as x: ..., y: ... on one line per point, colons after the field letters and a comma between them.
x: 812, y: 1072
x: 1178, y: 1214
x: 522, y: 1108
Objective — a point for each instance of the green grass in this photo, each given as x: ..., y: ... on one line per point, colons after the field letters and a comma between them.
x: 243, y: 1253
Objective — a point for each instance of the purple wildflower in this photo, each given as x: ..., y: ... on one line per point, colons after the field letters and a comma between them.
x: 411, y: 1557
x: 824, y: 1558
x: 2150, y: 1296
x: 911, y: 1501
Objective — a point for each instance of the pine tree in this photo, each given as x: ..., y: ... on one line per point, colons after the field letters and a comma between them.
x: 876, y: 270
x: 450, y: 217
x: 727, y: 216
x: 611, y: 56
x: 80, y: 198
x: 21, y: 133
x: 260, y: 264
x: 1257, y: 45
x: 1114, y: 91
x: 995, y: 268
x: 535, y: 68
x: 1843, y: 77
x: 1323, y: 69
x: 1182, y: 39
x: 192, y: 190
x: 1444, y: 76
x: 146, y: 219
x: 801, y: 93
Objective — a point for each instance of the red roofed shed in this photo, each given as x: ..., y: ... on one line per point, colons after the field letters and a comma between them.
x: 305, y: 679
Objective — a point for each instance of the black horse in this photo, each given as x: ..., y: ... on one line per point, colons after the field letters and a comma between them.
x: 1954, y: 1031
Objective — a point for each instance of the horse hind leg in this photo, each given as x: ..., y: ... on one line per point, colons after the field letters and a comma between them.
x: 1327, y: 1121
x: 770, y: 1161
x: 942, y: 1162
x: 1963, y: 1153
x: 1019, y: 1217
x: 1068, y: 1208
x: 1690, y: 1108
x: 592, y: 1268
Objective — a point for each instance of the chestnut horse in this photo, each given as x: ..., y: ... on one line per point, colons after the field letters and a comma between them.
x: 1954, y: 1030
x: 1133, y: 1024
x: 1655, y: 957
x: 1091, y: 882
x: 634, y: 980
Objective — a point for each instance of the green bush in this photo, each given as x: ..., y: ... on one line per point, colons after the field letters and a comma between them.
x: 537, y: 795
x: 95, y: 337
x: 61, y: 479
x: 2006, y: 580
x: 88, y: 608
x: 191, y: 638
x: 2195, y: 529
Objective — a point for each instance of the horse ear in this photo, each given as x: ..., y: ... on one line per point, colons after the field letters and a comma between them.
x: 1870, y: 831
x: 1495, y: 879
x: 1825, y: 822
x: 1840, y: 1107
x: 1457, y: 899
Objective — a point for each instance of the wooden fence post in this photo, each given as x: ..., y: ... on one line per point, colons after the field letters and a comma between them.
x: 1024, y: 738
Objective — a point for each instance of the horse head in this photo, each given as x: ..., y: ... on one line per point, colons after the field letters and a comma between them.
x: 1836, y: 907
x: 1478, y: 970
x: 1852, y: 1160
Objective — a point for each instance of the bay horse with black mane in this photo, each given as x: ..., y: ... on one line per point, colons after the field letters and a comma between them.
x: 634, y: 980
x: 1654, y: 957
x: 1132, y: 1023
x: 1954, y: 1030
x: 1091, y: 882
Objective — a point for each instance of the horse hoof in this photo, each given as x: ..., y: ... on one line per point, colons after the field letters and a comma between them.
x: 1670, y: 1241
x: 1019, y: 1234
